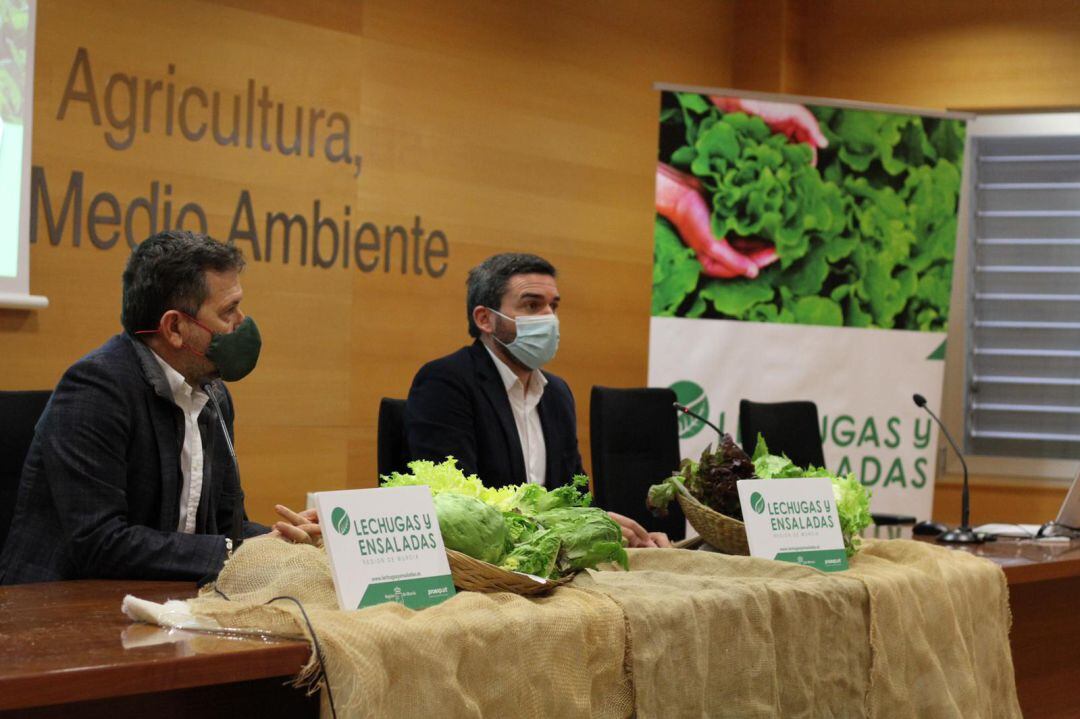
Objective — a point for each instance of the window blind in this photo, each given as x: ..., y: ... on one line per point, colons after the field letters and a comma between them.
x: 1023, y: 353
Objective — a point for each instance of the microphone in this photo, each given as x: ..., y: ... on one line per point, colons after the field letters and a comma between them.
x: 964, y: 533
x: 237, y: 534
x: 686, y: 410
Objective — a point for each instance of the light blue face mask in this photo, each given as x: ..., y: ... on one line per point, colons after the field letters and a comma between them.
x: 537, y: 339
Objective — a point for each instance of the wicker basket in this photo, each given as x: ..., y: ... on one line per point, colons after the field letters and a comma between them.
x: 726, y: 534
x: 474, y: 575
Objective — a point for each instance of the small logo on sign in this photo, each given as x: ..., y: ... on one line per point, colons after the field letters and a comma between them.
x: 340, y: 519
x: 692, y: 396
x: 757, y: 502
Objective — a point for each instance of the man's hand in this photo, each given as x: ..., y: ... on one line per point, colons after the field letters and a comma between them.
x: 786, y: 118
x: 297, y: 527
x: 660, y: 540
x: 636, y: 536
x: 678, y: 198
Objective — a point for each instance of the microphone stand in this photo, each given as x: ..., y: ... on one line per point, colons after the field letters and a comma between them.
x: 686, y: 410
x: 963, y: 534
x: 237, y: 533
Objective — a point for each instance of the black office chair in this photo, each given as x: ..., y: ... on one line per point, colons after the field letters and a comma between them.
x: 19, y: 414
x: 792, y: 428
x: 635, y: 444
x: 393, y: 449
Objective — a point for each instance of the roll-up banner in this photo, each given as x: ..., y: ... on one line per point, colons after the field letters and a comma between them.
x: 804, y: 251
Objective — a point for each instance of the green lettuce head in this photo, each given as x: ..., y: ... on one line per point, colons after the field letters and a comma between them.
x: 532, y: 499
x: 520, y: 528
x: 471, y: 527
x: 536, y: 556
x: 589, y: 536
x: 446, y: 477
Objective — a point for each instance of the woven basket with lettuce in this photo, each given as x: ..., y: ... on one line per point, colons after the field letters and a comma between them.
x: 522, y: 539
x: 708, y: 493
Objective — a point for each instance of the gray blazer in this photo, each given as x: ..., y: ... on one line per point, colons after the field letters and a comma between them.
x: 100, y: 491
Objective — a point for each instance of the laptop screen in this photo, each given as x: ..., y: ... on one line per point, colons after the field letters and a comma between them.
x: 1069, y: 514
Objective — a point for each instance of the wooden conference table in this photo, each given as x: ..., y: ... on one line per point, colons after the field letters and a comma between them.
x: 1044, y: 595
x: 66, y: 648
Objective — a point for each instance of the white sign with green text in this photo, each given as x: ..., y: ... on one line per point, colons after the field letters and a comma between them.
x: 861, y: 380
x: 793, y: 520
x: 385, y: 546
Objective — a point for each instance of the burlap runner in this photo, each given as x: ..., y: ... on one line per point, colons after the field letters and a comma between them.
x: 476, y: 655
x: 940, y: 632
x: 911, y: 630
x: 714, y: 635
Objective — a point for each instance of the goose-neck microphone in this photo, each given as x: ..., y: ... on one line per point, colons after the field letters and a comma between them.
x: 963, y: 534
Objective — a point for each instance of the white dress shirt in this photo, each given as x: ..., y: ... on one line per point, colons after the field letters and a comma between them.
x: 191, y: 401
x: 523, y: 405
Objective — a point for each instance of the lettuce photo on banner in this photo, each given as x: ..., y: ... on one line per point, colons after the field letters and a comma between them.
x: 816, y: 215
x: 14, y: 40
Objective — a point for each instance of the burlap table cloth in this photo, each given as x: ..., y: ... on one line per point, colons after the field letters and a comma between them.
x: 476, y: 655
x: 911, y: 630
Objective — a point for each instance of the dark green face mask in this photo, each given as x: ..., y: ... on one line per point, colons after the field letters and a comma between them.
x: 234, y: 353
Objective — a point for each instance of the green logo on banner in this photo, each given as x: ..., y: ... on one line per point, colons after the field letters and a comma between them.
x: 412, y: 593
x: 690, y: 395
x: 827, y: 560
x: 757, y: 502
x: 340, y: 519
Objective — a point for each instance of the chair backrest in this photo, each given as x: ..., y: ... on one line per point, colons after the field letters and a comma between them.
x: 790, y: 428
x: 19, y: 414
x: 635, y: 444
x: 393, y: 454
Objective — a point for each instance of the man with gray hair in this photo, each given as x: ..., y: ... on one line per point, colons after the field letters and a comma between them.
x: 130, y: 473
x: 490, y: 405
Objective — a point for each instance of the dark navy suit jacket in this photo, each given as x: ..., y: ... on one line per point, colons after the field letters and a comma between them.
x: 100, y: 490
x: 458, y: 406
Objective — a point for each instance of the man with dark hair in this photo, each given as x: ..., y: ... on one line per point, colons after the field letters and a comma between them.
x: 489, y: 405
x: 130, y: 473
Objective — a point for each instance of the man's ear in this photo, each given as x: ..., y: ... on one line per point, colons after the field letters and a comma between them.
x: 484, y: 319
x: 170, y: 329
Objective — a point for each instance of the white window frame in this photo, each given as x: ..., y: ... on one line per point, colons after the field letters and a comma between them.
x: 991, y: 469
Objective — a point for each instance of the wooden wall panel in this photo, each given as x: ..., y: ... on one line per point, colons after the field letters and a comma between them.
x: 507, y: 126
x: 280, y: 464
x: 527, y: 126
x: 961, y: 54
x: 1015, y: 499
